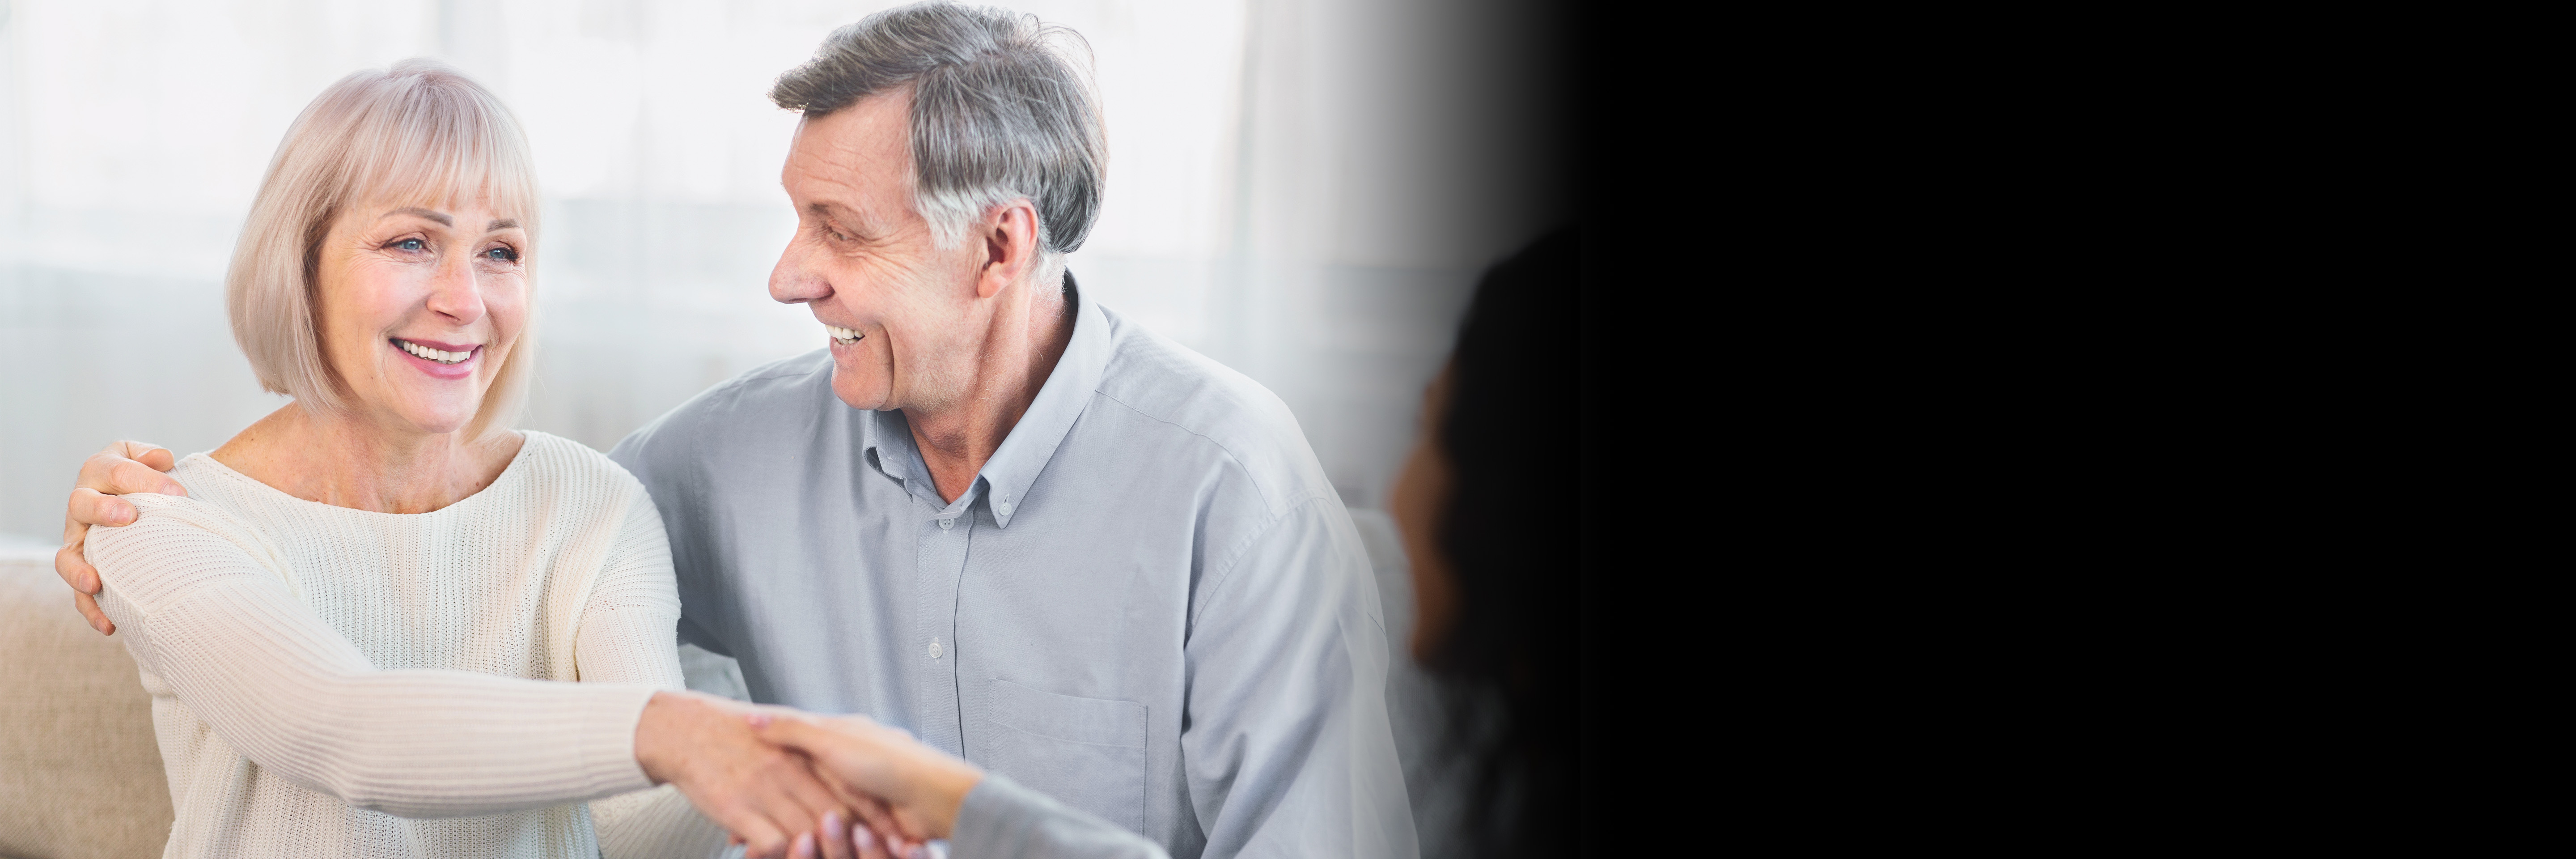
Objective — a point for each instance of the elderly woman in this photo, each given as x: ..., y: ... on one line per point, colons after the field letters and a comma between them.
x: 345, y: 622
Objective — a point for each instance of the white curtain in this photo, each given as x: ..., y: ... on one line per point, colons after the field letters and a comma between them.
x: 1303, y: 189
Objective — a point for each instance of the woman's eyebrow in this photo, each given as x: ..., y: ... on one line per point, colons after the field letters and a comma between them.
x: 502, y: 224
x: 441, y: 217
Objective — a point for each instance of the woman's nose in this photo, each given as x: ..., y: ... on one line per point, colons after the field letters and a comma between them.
x: 456, y: 293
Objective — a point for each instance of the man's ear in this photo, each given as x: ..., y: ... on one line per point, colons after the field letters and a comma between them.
x: 1010, y: 237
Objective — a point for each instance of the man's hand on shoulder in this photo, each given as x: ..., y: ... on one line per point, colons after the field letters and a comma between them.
x: 124, y: 468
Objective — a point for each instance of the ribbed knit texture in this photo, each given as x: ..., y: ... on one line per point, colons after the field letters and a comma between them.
x: 338, y: 682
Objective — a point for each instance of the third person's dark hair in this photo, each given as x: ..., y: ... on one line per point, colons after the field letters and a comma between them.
x: 1509, y: 534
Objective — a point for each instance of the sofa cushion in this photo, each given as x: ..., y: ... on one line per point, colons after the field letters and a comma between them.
x: 80, y: 773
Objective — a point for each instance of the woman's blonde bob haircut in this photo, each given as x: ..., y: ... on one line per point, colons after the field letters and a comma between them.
x: 417, y: 134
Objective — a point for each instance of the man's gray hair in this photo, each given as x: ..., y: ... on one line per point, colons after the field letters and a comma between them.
x: 1001, y: 110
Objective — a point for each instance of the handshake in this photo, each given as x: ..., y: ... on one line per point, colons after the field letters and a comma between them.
x: 787, y: 783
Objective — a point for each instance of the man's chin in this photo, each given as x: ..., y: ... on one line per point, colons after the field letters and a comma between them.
x: 857, y: 393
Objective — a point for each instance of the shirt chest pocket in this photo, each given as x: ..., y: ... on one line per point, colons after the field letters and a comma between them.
x: 1088, y: 753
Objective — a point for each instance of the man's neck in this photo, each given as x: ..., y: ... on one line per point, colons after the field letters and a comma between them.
x: 958, y: 438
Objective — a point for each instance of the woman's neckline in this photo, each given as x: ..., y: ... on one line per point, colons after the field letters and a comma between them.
x: 527, y: 443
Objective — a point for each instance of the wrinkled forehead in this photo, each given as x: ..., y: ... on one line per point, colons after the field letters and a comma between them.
x: 858, y: 157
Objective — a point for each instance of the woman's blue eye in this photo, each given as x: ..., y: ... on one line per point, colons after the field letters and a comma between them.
x: 411, y: 244
x: 503, y: 254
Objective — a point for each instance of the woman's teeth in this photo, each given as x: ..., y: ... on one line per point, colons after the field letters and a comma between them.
x: 439, y: 355
x: 846, y: 336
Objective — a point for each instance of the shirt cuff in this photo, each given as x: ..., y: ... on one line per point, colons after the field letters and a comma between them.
x: 1001, y: 818
x: 985, y: 819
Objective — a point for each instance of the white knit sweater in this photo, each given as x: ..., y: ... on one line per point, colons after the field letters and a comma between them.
x: 336, y: 682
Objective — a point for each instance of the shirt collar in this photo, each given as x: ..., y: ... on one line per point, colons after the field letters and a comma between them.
x: 1060, y: 401
x: 1006, y: 477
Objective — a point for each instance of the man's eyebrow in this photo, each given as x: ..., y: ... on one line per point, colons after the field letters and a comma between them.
x: 846, y: 217
x: 441, y: 217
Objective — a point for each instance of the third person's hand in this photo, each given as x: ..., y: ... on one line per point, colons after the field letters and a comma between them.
x: 920, y: 788
x: 768, y: 797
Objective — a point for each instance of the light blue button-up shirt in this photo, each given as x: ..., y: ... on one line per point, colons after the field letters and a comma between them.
x: 1150, y: 605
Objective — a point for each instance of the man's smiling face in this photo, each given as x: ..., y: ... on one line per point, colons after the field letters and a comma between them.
x: 865, y: 262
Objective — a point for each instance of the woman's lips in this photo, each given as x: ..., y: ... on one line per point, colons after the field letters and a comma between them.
x: 444, y: 347
x: 440, y: 369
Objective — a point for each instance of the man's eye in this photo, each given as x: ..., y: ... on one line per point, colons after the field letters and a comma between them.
x: 412, y: 244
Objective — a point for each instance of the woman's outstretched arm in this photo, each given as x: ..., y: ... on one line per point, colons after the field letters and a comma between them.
x: 227, y: 636
x: 290, y: 693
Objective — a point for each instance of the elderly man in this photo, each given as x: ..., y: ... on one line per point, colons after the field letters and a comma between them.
x: 994, y: 513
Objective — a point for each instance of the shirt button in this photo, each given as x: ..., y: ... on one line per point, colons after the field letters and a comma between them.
x: 945, y: 524
x: 934, y: 648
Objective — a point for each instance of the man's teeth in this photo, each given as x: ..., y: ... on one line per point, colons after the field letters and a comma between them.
x: 439, y: 355
x: 844, y: 335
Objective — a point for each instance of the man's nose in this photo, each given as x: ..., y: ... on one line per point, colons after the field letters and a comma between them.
x: 794, y: 282
x: 455, y: 293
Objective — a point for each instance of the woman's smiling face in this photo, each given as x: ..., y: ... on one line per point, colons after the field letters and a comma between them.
x: 418, y: 308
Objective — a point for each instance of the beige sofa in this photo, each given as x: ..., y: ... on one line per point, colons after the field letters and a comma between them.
x: 80, y: 776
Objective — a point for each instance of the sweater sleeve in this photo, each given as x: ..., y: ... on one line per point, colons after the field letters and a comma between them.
x: 232, y: 642
x: 628, y: 625
x: 627, y: 635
